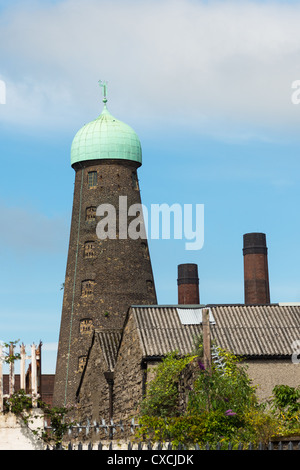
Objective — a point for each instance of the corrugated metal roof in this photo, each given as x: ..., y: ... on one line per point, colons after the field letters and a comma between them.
x: 265, y: 330
x: 257, y: 330
x: 161, y: 331
x: 109, y: 340
x: 193, y: 316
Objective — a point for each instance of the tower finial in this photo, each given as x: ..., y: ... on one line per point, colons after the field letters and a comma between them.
x: 104, y: 86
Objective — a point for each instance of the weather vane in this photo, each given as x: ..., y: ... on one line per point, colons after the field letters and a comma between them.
x: 104, y: 86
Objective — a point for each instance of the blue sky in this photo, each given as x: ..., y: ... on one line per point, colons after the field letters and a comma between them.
x: 207, y: 86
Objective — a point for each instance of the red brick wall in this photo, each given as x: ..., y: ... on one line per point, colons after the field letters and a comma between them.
x: 188, y: 294
x: 256, y: 279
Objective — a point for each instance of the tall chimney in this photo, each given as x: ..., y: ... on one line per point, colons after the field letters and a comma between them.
x: 256, y: 275
x: 188, y: 284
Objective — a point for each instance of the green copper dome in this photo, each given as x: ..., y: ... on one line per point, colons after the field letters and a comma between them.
x: 106, y: 138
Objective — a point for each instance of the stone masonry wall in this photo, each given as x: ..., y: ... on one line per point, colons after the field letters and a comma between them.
x: 128, y: 375
x: 94, y: 392
x: 103, y: 276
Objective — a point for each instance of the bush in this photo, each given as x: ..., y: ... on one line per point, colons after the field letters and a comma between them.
x: 224, y: 389
x: 286, y: 407
x: 259, y: 426
x: 162, y: 394
x: 222, y: 405
x: 185, y: 429
x: 213, y: 427
x: 285, y: 398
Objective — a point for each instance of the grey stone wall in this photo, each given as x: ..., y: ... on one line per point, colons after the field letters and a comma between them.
x: 93, y: 397
x: 128, y: 375
x: 265, y: 374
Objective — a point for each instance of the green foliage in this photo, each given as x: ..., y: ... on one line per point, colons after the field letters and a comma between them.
x: 259, y: 425
x: 213, y: 427
x: 222, y: 405
x: 9, y: 358
x: 286, y: 407
x: 187, y: 429
x: 286, y: 398
x: 223, y: 389
x: 198, y: 345
x: 162, y: 394
x: 59, y: 420
x: 20, y: 404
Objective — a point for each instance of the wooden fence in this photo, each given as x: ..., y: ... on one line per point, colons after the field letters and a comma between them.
x: 10, y: 359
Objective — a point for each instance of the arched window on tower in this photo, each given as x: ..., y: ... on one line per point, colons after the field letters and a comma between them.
x: 92, y: 179
x: 89, y: 249
x: 90, y: 214
x: 86, y: 326
x: 87, y: 288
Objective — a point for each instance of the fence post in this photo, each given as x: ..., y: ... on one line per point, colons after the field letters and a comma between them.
x: 33, y: 376
x: 22, y: 367
x: 11, y: 370
x: 206, y: 340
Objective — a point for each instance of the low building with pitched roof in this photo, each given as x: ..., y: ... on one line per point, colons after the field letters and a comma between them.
x: 116, y: 376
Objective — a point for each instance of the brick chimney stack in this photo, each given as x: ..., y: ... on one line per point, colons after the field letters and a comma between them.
x: 188, y: 284
x: 256, y: 275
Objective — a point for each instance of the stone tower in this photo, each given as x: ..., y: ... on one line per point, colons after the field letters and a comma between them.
x: 107, y: 269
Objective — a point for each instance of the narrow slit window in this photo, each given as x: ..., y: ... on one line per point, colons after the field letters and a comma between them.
x: 149, y: 284
x: 92, y: 179
x: 145, y: 250
x: 135, y: 183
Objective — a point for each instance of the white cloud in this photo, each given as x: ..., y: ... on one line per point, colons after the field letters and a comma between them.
x: 211, y: 66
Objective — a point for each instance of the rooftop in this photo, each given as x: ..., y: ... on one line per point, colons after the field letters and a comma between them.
x: 252, y: 331
x: 106, y: 138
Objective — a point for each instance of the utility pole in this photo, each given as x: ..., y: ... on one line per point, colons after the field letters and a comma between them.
x: 206, y: 340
